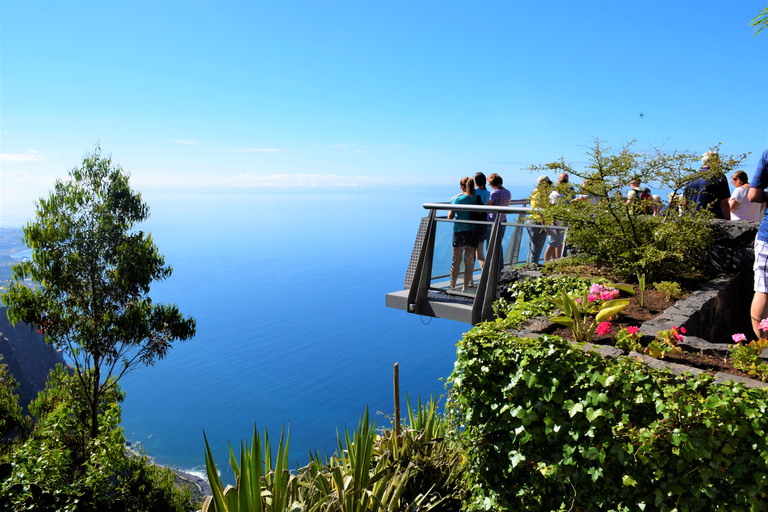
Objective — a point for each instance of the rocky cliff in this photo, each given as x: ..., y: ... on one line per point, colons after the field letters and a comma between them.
x: 28, y: 357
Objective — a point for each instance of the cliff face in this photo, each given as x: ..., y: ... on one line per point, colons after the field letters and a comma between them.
x: 28, y: 357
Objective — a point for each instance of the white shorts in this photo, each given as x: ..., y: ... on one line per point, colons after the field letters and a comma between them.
x: 761, y: 266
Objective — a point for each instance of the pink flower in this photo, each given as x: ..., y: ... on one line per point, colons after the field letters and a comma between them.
x: 632, y: 330
x: 739, y: 338
x: 606, y: 295
x: 682, y: 330
x: 603, y: 328
x: 592, y: 297
x: 596, y: 288
x: 763, y: 325
x: 679, y: 337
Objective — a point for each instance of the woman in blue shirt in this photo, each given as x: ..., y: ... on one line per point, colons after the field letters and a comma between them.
x: 464, y: 236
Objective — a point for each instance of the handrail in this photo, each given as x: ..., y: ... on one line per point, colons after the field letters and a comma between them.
x: 477, y: 207
x: 418, y: 295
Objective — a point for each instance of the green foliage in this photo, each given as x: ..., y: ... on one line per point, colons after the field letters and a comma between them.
x: 543, y: 286
x: 54, y: 470
x: 529, y: 298
x: 14, y: 425
x: 666, y: 343
x: 607, y: 227
x: 547, y: 426
x: 746, y: 357
x: 414, y: 471
x: 760, y: 21
x: 641, y: 290
x: 94, y: 271
x: 628, y: 338
x: 583, y: 316
x: 669, y: 289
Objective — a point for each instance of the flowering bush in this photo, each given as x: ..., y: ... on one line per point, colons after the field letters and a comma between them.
x: 746, y: 356
x: 588, y: 314
x: 603, y: 328
x: 738, y: 338
x: 666, y: 343
x: 629, y: 339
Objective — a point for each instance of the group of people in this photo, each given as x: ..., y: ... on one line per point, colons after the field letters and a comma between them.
x: 715, y: 195
x: 469, y: 239
x: 746, y: 203
x: 537, y: 235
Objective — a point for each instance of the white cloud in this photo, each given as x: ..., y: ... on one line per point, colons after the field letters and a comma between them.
x: 248, y: 150
x: 360, y: 148
x: 185, y: 141
x: 30, y: 156
x: 250, y: 180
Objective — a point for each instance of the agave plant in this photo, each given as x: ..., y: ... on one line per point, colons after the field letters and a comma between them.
x: 368, y: 473
x: 260, y: 485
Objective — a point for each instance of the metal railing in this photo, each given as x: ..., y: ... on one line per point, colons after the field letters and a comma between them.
x: 419, y: 278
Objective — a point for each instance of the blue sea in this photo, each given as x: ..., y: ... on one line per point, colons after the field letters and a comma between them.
x: 288, y: 290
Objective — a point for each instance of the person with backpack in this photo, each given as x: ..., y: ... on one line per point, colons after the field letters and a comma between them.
x: 483, y: 233
x: 640, y: 197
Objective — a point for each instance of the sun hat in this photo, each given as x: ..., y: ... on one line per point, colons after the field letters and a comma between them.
x: 543, y: 179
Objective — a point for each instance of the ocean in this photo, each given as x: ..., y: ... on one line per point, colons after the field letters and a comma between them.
x: 288, y: 290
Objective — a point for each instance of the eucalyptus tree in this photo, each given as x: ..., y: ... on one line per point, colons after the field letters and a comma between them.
x: 91, y: 273
x: 760, y: 21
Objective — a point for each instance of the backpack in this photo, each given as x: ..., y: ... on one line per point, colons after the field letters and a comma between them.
x: 478, y: 215
x: 644, y: 199
x: 480, y: 229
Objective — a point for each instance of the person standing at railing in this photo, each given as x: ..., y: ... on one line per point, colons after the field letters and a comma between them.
x: 563, y: 192
x: 482, y: 229
x: 537, y: 236
x: 464, y: 236
x: 499, y: 197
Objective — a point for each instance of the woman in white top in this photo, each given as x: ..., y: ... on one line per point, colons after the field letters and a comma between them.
x: 741, y: 207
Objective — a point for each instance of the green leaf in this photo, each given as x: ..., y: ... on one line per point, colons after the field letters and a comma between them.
x: 628, y: 481
x: 574, y: 408
x: 611, y: 308
x: 625, y: 288
x: 562, y: 320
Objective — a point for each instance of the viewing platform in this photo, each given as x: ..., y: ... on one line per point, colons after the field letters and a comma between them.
x: 426, y: 289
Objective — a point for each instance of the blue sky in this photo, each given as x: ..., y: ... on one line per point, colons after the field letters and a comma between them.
x: 243, y: 95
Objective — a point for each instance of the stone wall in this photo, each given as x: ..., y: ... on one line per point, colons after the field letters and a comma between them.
x: 710, y: 315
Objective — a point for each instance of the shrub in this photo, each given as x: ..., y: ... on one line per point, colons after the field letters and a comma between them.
x: 666, y: 343
x: 547, y: 426
x: 14, y: 425
x: 54, y: 470
x: 746, y: 356
x: 628, y: 338
x: 669, y: 289
x: 607, y: 227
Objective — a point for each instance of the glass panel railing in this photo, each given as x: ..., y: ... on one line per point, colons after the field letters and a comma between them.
x: 443, y: 261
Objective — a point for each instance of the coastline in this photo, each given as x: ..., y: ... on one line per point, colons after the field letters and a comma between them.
x: 192, y: 482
